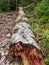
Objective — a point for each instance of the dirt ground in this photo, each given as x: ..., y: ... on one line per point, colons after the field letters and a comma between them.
x: 6, y: 26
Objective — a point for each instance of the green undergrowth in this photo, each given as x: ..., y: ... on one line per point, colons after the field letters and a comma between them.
x: 39, y: 21
x: 42, y: 30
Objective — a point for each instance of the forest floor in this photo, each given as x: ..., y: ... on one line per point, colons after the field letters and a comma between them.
x: 6, y: 26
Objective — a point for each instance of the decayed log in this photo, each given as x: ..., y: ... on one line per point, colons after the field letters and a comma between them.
x: 30, y: 55
x: 24, y: 45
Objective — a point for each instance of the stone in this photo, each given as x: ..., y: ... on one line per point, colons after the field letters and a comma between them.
x: 8, y: 35
x: 2, y: 53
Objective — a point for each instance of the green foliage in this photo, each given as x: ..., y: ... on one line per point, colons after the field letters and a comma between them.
x: 41, y: 12
x: 12, y: 4
x: 44, y: 35
x: 42, y: 8
x: 45, y: 41
x: 4, y: 5
x: 47, y: 61
x: 42, y: 20
x: 26, y: 2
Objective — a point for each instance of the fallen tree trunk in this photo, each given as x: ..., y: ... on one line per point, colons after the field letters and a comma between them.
x: 24, y: 45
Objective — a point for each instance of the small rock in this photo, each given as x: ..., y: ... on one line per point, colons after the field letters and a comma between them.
x: 8, y: 35
x: 2, y: 53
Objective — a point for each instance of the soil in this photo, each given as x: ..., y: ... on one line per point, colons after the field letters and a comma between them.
x: 7, y: 21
